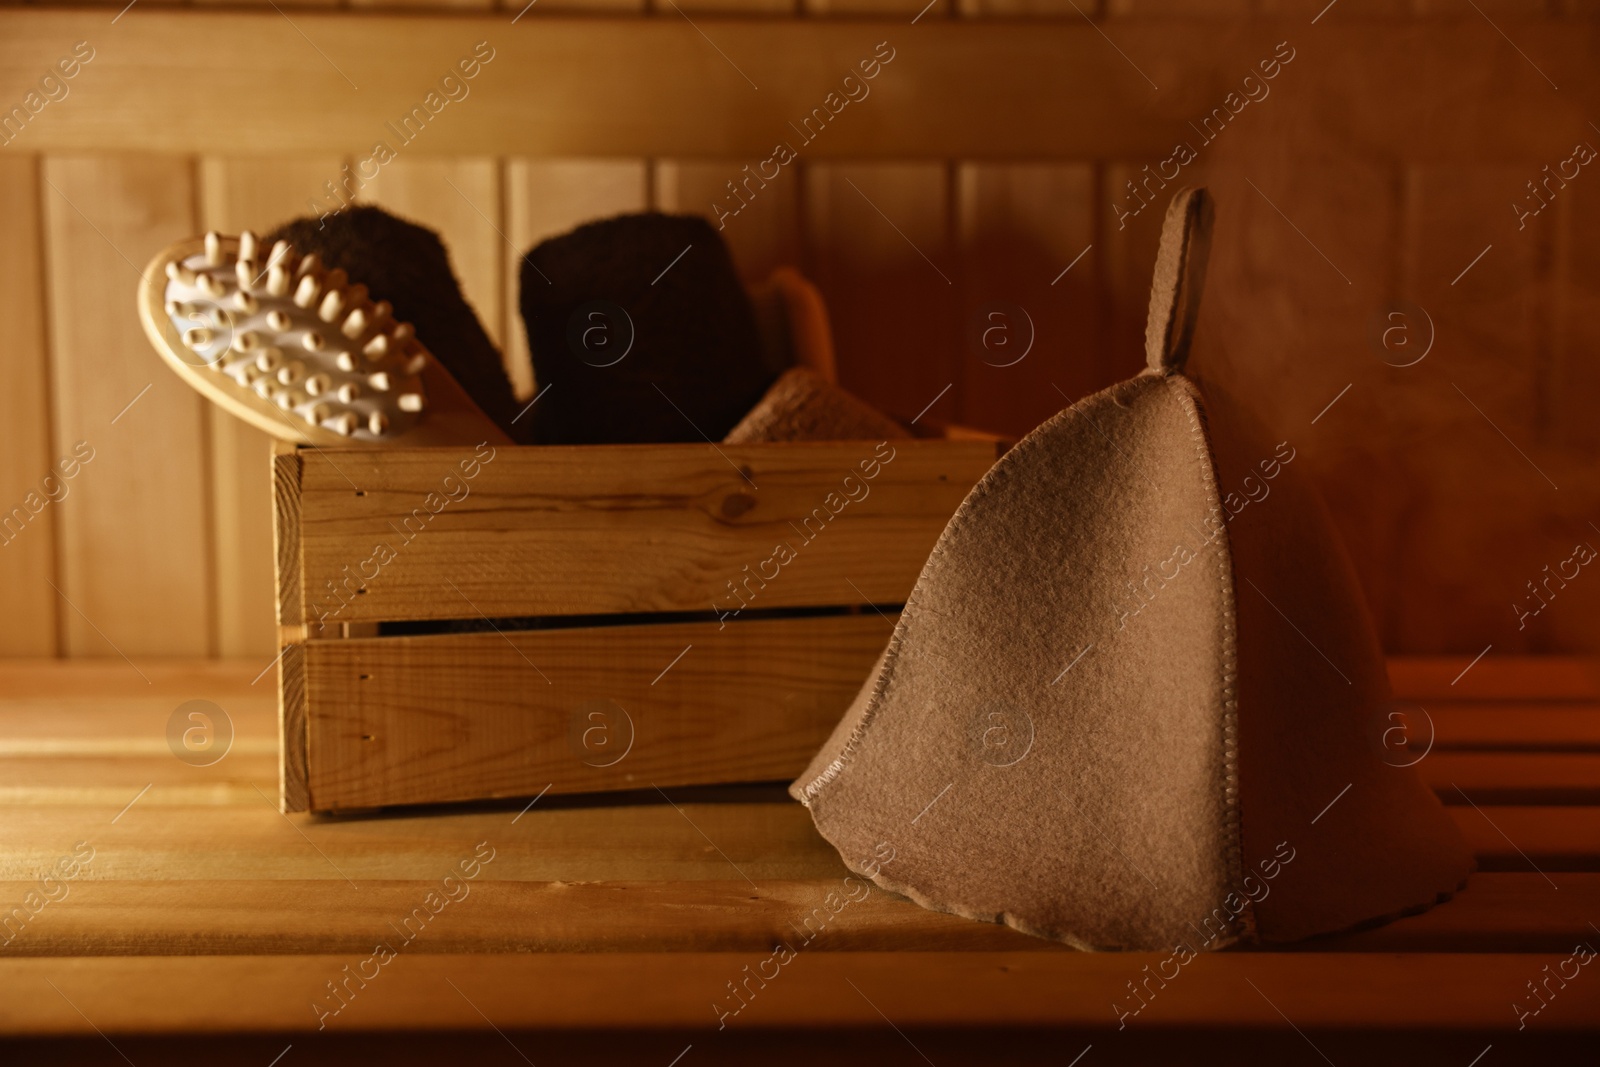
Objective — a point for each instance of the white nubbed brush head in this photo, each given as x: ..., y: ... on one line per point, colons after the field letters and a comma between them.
x: 294, y: 349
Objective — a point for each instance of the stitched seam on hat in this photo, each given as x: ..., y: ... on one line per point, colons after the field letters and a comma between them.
x: 1232, y: 832
x: 995, y: 476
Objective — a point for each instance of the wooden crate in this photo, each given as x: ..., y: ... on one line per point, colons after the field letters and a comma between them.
x: 648, y: 615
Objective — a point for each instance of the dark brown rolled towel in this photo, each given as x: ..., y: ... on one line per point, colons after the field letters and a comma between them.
x: 684, y: 363
x: 408, y: 266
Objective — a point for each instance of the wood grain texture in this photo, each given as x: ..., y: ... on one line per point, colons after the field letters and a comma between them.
x: 286, y: 549
x: 672, y: 991
x: 880, y: 248
x: 654, y: 88
x: 566, y: 531
x: 638, y: 912
x: 236, y: 195
x: 1030, y: 331
x: 29, y: 623
x: 294, y: 728
x: 1513, y: 778
x: 327, y: 915
x: 591, y: 709
x: 763, y: 235
x: 546, y: 198
x: 460, y: 200
x: 1519, y: 679
x: 136, y: 547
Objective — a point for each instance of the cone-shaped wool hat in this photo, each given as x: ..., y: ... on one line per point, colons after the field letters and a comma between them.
x: 1135, y: 700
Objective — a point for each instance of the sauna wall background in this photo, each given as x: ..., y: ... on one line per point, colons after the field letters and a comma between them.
x: 1455, y: 481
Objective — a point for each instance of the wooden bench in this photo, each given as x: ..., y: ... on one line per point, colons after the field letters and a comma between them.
x: 204, y: 911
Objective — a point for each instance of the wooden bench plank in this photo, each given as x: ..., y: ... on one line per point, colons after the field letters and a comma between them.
x: 554, y: 991
x: 1495, y: 678
x: 1522, y: 838
x: 1505, y: 726
x: 1513, y: 778
x: 493, y: 914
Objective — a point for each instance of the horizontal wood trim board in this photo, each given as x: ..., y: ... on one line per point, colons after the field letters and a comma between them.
x: 605, y: 529
x: 1496, y: 913
x: 1441, y: 992
x: 414, y: 720
x: 657, y: 87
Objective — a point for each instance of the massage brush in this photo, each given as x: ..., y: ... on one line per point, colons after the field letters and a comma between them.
x: 298, y: 351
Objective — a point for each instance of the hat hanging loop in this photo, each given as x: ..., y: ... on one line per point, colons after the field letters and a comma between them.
x: 1180, y: 276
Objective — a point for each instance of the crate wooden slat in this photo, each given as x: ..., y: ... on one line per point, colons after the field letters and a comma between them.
x: 400, y: 720
x: 619, y: 528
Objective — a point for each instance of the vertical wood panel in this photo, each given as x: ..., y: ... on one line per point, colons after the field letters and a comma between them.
x: 763, y: 235
x: 1020, y: 227
x: 27, y: 550
x: 1575, y: 374
x: 254, y: 194
x: 460, y: 200
x: 135, y: 551
x: 879, y: 237
x: 549, y: 197
x: 1482, y: 520
x: 1128, y: 256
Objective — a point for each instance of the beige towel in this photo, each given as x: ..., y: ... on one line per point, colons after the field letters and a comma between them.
x: 801, y: 406
x: 1130, y: 703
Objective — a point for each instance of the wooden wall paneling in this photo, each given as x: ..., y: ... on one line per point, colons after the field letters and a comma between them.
x: 937, y: 9
x: 522, y: 9
x: 1124, y: 257
x: 545, y: 198
x: 255, y: 194
x: 728, y: 7
x: 880, y: 247
x: 460, y: 199
x: 1303, y: 262
x: 135, y: 557
x: 1471, y: 422
x: 761, y: 231
x: 1020, y: 227
x: 653, y: 88
x: 28, y: 625
x: 979, y: 9
x: 1575, y: 373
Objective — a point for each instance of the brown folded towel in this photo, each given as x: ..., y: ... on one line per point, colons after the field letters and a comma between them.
x: 642, y: 331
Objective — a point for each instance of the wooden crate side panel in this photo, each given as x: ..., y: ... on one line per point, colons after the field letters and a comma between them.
x: 417, y: 720
x: 286, y: 465
x: 599, y: 529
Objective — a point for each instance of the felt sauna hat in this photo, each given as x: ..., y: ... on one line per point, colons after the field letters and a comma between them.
x: 1131, y: 701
